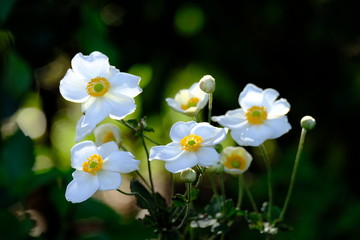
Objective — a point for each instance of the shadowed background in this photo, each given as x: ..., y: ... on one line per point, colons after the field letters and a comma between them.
x: 307, y: 50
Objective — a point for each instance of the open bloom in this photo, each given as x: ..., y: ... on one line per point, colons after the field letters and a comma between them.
x: 97, y: 168
x: 102, y: 89
x: 236, y: 160
x: 260, y: 117
x: 192, y: 144
x: 107, y: 132
x: 189, y: 101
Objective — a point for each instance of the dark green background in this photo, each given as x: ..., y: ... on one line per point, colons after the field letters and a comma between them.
x: 308, y: 50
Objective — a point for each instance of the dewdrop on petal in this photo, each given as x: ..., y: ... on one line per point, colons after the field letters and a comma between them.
x: 188, y: 175
x: 107, y: 132
x: 308, y: 123
x: 207, y: 84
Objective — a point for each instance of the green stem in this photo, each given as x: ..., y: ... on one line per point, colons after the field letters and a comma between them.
x: 213, y: 185
x: 201, y: 174
x: 222, y: 188
x: 268, y: 168
x: 241, y: 192
x: 133, y: 194
x: 296, y: 163
x: 143, y: 179
x: 134, y: 129
x: 250, y: 196
x: 210, y: 107
x: 148, y: 162
x: 188, y: 186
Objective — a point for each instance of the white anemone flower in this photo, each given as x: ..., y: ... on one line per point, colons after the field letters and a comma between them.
x: 192, y: 144
x: 260, y: 117
x: 107, y: 132
x: 97, y: 168
x: 102, y: 89
x: 236, y: 160
x: 189, y: 101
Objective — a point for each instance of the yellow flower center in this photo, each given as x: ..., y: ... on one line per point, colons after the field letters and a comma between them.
x: 109, y: 137
x: 93, y: 164
x: 235, y: 161
x: 98, y: 86
x: 256, y: 115
x: 192, y: 102
x: 191, y: 143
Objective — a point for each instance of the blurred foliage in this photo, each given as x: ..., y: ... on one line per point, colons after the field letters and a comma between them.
x: 307, y: 50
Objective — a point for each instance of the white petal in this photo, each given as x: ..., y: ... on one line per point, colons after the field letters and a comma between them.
x: 121, y: 161
x: 73, y: 87
x: 83, y: 129
x: 97, y: 112
x: 174, y: 105
x: 252, y: 135
x: 210, y: 135
x: 180, y: 130
x: 232, y: 119
x: 125, y: 84
x: 107, y: 148
x: 109, y: 180
x: 94, y: 65
x: 233, y: 171
x: 269, y: 97
x: 165, y: 153
x: 82, y: 187
x: 250, y: 96
x: 120, y: 105
x: 279, y: 108
x: 279, y: 126
x: 207, y: 156
x: 80, y: 152
x: 186, y: 160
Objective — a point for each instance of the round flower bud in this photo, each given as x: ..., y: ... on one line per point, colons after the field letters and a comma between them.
x: 188, y: 175
x: 308, y: 123
x: 207, y: 84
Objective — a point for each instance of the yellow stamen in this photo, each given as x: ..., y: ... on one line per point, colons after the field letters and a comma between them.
x: 235, y: 161
x: 192, y: 102
x: 191, y: 143
x: 256, y: 115
x: 109, y: 137
x: 93, y: 164
x: 98, y: 86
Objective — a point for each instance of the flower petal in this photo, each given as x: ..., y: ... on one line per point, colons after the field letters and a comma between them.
x: 82, y: 187
x: 175, y: 105
x: 125, y: 84
x: 94, y: 65
x: 121, y: 161
x: 73, y: 87
x: 120, y: 105
x: 107, y: 148
x: 210, y: 135
x: 185, y: 160
x: 83, y: 129
x: 269, y: 97
x: 232, y: 119
x: 80, y: 152
x: 279, y: 108
x: 180, y: 130
x: 98, y: 110
x: 109, y: 180
x: 251, y: 135
x: 279, y: 126
x: 165, y: 153
x: 250, y: 96
x: 207, y: 156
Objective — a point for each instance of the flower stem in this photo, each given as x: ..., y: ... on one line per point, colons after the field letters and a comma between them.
x: 268, y: 168
x: 134, y: 129
x: 213, y: 185
x: 210, y: 106
x: 188, y: 187
x: 250, y: 196
x: 133, y: 194
x: 222, y: 188
x: 241, y: 192
x: 296, y: 163
x: 143, y: 179
x: 148, y: 162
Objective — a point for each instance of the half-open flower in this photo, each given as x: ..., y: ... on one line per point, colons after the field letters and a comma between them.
x: 189, y: 101
x: 102, y: 89
x: 192, y: 144
x: 260, y: 117
x: 97, y: 168
x: 236, y: 160
x: 107, y: 132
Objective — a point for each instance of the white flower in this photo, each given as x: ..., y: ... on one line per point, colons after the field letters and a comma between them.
x: 189, y: 101
x: 192, y: 144
x: 102, y: 89
x: 107, y: 132
x: 97, y: 168
x: 236, y: 160
x: 260, y: 117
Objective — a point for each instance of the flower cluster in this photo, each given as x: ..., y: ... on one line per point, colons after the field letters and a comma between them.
x: 195, y: 148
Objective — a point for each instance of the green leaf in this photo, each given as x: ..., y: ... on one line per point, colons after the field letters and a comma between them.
x: 179, y: 200
x: 143, y: 196
x: 194, y: 194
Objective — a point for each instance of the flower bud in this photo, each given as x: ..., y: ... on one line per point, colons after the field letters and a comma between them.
x: 308, y: 123
x: 207, y: 84
x: 188, y: 175
x: 107, y: 132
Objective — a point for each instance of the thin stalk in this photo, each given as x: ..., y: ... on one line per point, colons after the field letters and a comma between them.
x: 133, y: 194
x: 293, y: 175
x: 269, y: 177
x: 143, y: 179
x: 213, y: 186
x: 210, y: 107
x: 201, y: 174
x: 149, y: 165
x: 222, y: 188
x: 188, y: 186
x: 250, y: 196
x: 134, y: 129
x: 241, y: 192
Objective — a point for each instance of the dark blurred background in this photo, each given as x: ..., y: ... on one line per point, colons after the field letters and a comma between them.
x: 308, y: 50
